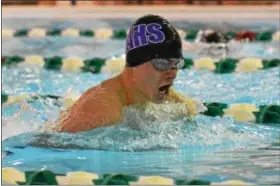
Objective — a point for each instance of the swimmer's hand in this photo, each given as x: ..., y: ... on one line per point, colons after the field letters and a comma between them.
x: 193, y: 106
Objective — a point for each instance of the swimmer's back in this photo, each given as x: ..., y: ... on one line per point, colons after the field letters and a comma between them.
x: 97, y: 107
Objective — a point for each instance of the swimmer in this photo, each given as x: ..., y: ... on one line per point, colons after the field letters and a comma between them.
x: 209, y: 43
x: 153, y: 57
x: 211, y: 36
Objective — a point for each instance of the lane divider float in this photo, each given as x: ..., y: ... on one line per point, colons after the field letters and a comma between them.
x: 244, y: 112
x: 109, y: 33
x: 116, y: 64
x: 45, y: 177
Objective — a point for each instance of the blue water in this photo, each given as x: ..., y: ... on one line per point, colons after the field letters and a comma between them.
x: 215, y: 149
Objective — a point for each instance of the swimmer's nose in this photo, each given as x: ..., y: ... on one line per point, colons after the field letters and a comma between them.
x: 171, y: 73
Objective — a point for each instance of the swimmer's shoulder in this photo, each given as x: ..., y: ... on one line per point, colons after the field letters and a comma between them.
x: 115, y: 87
x: 107, y: 90
x: 109, y: 86
x: 98, y: 106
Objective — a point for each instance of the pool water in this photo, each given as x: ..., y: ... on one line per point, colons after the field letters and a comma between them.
x: 211, y: 148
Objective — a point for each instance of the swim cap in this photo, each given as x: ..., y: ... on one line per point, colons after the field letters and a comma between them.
x: 150, y: 37
x: 211, y: 36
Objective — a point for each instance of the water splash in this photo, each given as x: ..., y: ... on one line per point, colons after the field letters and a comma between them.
x: 170, y: 147
x: 158, y: 130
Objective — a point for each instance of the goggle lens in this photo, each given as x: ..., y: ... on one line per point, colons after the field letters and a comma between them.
x: 166, y: 64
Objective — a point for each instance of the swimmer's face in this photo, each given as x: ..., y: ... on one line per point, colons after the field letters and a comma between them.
x: 154, y: 84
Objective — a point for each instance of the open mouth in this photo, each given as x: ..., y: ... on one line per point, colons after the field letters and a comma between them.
x: 164, y: 89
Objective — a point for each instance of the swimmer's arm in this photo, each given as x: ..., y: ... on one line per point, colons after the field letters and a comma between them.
x: 176, y: 97
x: 90, y: 114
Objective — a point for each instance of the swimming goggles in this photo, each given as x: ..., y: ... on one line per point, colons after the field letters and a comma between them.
x: 166, y: 64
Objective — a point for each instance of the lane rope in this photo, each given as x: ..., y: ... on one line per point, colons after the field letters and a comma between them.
x: 45, y: 177
x: 244, y: 112
x: 108, y: 33
x: 116, y: 64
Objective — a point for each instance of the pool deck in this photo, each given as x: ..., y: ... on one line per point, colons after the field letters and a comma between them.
x: 215, y: 13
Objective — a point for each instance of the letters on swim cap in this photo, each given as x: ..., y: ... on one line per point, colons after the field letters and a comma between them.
x: 143, y: 34
x: 151, y: 36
